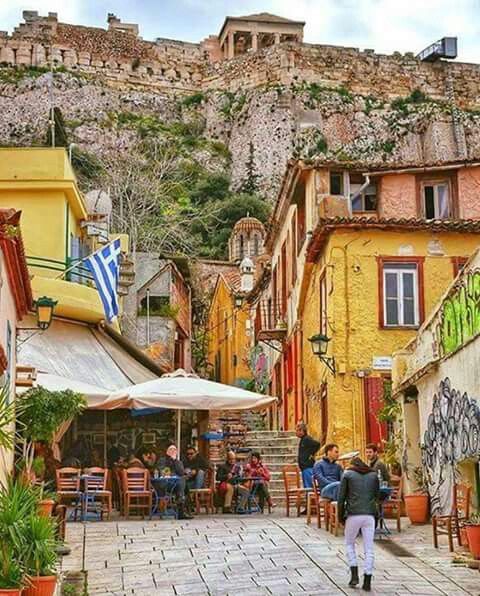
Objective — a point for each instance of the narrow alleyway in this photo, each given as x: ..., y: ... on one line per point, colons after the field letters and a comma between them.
x: 252, y: 555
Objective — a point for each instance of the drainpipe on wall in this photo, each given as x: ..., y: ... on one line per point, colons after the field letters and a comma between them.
x: 359, y: 192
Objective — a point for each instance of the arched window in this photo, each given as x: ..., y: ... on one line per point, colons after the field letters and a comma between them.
x: 241, y: 247
x: 256, y: 245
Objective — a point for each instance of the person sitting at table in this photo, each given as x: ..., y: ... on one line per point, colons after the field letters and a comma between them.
x: 328, y: 473
x: 135, y: 461
x: 196, y: 467
x: 170, y: 465
x: 257, y: 469
x: 229, y: 476
x: 149, y: 458
x: 377, y: 465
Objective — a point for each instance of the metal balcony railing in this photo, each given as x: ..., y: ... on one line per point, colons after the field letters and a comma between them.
x: 270, y: 322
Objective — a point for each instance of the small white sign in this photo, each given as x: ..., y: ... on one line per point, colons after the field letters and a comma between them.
x: 382, y: 363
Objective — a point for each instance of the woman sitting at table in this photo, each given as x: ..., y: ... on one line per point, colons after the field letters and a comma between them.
x: 171, y: 466
x: 257, y: 469
x: 230, y: 476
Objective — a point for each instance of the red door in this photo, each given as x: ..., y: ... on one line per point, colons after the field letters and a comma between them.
x: 374, y: 400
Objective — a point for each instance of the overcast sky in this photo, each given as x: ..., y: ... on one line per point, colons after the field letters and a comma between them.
x: 383, y: 25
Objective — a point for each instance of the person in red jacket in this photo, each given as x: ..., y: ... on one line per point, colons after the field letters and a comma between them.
x: 257, y: 469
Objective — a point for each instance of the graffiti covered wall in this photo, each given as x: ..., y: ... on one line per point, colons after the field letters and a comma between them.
x: 451, y: 435
x: 459, y: 317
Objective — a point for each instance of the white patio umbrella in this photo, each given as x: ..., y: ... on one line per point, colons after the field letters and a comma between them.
x: 185, y: 391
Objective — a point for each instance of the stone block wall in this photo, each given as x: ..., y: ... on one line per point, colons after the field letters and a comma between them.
x: 120, y: 55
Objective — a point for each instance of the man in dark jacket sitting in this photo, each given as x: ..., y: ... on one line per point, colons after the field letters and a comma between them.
x: 357, y: 508
x: 170, y: 465
x: 328, y: 473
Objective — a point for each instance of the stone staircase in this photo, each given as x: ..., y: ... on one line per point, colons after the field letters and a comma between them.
x: 277, y: 448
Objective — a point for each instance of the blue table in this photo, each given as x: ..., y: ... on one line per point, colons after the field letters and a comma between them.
x: 167, y: 484
x: 381, y: 529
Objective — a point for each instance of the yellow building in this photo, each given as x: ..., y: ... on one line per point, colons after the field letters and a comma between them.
x: 358, y: 257
x: 40, y: 182
x: 229, y: 325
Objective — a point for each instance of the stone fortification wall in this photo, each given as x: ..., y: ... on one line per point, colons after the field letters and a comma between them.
x: 120, y: 55
x: 366, y: 73
x: 114, y: 54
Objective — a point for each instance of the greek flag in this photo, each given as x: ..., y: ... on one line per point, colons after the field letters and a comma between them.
x: 104, y: 265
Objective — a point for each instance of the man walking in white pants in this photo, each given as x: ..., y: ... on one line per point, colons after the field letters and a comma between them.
x: 357, y: 508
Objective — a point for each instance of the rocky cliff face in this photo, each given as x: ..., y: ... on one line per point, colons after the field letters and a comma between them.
x: 262, y: 127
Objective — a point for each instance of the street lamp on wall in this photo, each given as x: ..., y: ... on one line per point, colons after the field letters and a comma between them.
x: 44, y: 308
x: 319, y: 348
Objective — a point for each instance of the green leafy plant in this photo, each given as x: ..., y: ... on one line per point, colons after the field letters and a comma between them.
x: 193, y: 100
x: 40, y: 555
x: 11, y: 571
x: 7, y: 418
x: 44, y: 411
x: 420, y: 480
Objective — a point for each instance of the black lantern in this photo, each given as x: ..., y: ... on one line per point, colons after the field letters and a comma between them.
x: 320, y: 347
x: 45, y: 307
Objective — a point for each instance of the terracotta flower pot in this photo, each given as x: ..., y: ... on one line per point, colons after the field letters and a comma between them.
x: 10, y: 592
x: 417, y: 508
x: 41, y: 586
x: 45, y: 507
x: 473, y: 535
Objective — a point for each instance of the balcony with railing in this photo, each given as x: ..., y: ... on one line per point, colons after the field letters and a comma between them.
x: 270, y: 321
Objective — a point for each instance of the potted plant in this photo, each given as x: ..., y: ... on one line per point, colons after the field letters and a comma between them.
x: 17, y: 502
x: 40, y: 557
x: 11, y: 572
x: 416, y: 504
x: 46, y: 502
x: 472, y: 527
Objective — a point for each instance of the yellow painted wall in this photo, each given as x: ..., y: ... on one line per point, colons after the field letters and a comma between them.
x: 349, y: 258
x: 228, y: 335
x: 41, y: 183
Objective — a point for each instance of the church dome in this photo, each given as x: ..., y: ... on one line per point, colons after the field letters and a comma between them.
x: 246, y: 239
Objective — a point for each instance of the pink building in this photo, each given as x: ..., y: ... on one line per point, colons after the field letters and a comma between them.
x: 15, y: 302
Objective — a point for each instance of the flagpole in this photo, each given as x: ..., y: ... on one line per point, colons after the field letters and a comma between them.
x: 82, y: 260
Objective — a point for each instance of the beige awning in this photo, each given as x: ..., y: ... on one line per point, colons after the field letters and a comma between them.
x: 80, y: 352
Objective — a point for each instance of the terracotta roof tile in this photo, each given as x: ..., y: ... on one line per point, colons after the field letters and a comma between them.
x: 326, y: 226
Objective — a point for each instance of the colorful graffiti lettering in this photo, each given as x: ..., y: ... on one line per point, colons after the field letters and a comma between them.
x: 452, y: 435
x: 460, y: 314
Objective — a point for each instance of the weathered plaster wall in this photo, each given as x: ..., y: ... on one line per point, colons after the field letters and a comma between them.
x: 8, y: 315
x: 398, y: 196
x: 469, y: 192
x: 353, y: 321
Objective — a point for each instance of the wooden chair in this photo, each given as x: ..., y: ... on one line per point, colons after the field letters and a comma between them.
x: 333, y: 521
x: 203, y: 497
x: 317, y: 505
x: 137, y: 493
x: 293, y: 489
x: 95, y: 485
x: 392, y: 508
x: 450, y: 524
x: 68, y: 487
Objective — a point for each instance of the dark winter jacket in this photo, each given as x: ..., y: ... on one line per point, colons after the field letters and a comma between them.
x: 359, y: 491
x: 174, y: 465
x: 306, y: 450
x: 325, y: 472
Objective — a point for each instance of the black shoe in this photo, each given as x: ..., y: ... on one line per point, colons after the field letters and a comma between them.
x: 367, y: 583
x: 183, y: 513
x: 354, y: 578
x: 227, y: 510
x: 304, y: 512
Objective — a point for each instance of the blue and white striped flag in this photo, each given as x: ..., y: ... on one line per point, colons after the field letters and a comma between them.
x: 104, y: 265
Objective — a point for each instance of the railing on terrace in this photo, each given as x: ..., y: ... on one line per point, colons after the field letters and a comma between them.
x: 270, y: 320
x: 79, y: 274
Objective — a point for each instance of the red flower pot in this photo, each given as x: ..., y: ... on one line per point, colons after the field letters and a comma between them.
x: 417, y: 508
x: 45, y: 507
x: 41, y: 586
x: 473, y: 535
x: 10, y: 592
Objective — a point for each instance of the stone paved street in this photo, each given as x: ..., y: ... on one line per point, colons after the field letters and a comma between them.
x: 251, y: 555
